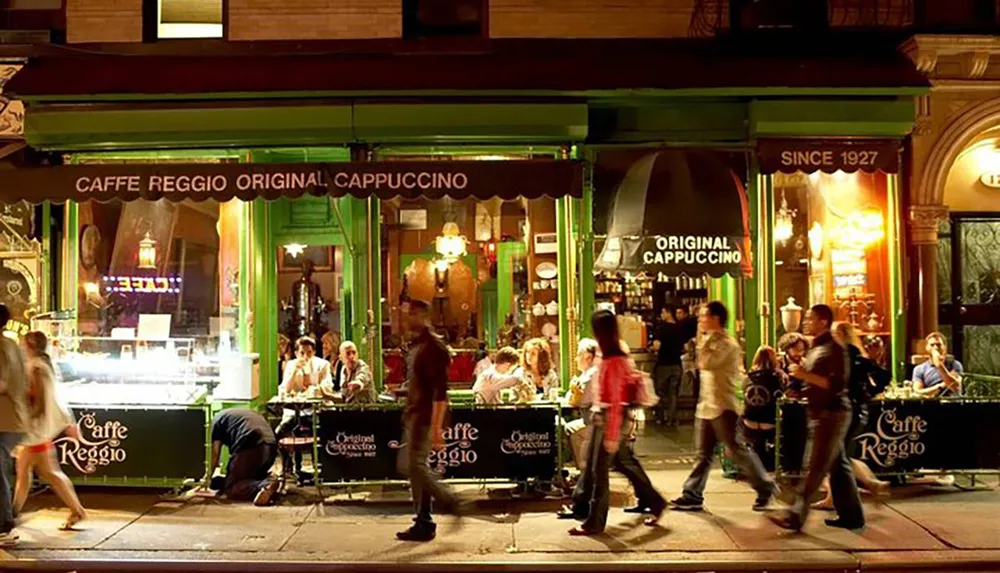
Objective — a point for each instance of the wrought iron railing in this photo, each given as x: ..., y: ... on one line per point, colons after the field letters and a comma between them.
x: 980, y: 386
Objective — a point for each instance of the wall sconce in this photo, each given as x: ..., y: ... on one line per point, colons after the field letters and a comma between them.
x: 147, y: 252
x: 783, y: 221
x: 451, y: 245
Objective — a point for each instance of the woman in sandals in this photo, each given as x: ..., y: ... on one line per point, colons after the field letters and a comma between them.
x: 47, y: 420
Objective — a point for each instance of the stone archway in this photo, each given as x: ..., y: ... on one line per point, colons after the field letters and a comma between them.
x: 957, y: 136
x: 927, y: 208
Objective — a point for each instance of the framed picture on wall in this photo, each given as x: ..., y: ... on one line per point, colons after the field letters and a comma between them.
x: 320, y: 255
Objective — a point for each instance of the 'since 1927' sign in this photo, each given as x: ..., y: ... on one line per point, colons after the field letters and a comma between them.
x: 828, y: 155
x: 482, y: 443
x: 224, y: 181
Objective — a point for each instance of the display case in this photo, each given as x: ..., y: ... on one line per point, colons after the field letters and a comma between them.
x: 142, y: 408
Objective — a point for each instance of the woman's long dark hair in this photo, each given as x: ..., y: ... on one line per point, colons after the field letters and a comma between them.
x: 605, y: 325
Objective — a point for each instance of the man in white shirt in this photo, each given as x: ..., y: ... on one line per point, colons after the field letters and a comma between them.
x: 497, y: 377
x: 307, y: 375
x: 306, y: 371
x: 720, y: 363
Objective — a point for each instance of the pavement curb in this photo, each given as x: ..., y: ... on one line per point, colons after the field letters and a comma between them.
x: 680, y: 566
x: 885, y: 563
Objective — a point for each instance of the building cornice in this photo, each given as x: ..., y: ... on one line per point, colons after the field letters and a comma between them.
x: 972, y: 54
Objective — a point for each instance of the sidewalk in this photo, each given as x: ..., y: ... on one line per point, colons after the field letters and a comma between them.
x: 940, y: 528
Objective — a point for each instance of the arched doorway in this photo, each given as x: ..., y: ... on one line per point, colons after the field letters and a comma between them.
x: 963, y: 173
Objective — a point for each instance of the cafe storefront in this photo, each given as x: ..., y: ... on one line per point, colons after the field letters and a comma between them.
x: 503, y: 235
x: 194, y: 263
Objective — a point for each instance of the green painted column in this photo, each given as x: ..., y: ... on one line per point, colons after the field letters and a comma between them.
x: 897, y: 258
x: 358, y: 225
x: 768, y: 262
x: 374, y: 329
x: 71, y: 264
x: 245, y: 303
x: 566, y: 346
x: 264, y: 324
x: 584, y: 236
x: 45, y: 293
x: 751, y: 286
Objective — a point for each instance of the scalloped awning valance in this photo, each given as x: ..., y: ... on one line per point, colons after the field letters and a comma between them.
x: 225, y: 181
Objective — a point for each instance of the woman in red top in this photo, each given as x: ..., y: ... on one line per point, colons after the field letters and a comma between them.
x: 619, y: 384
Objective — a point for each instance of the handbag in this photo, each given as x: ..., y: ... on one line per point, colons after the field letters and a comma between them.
x: 645, y: 392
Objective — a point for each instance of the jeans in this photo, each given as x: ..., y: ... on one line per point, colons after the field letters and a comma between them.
x: 8, y: 441
x: 668, y: 386
x: 247, y: 472
x: 708, y: 433
x: 425, y: 484
x: 596, y: 477
x: 827, y: 454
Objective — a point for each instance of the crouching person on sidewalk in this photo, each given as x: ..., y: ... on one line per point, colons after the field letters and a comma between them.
x: 252, y: 450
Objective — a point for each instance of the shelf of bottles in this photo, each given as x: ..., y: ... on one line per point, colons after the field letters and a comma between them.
x: 639, y: 293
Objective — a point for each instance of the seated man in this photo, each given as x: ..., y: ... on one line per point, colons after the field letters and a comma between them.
x: 252, y: 450
x: 307, y: 375
x: 497, y: 377
x: 940, y: 376
x: 306, y: 371
x: 355, y: 376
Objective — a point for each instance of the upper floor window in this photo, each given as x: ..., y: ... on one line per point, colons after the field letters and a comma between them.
x: 426, y: 18
x: 185, y: 18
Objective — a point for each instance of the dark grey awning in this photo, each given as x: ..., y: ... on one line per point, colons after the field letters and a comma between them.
x: 679, y: 212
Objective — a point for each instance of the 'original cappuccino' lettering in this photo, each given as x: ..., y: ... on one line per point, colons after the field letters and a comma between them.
x: 692, y: 250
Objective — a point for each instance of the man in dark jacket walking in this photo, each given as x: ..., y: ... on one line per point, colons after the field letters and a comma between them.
x: 825, y: 372
x: 426, y: 410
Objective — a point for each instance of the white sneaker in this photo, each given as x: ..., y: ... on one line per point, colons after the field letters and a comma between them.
x: 9, y: 539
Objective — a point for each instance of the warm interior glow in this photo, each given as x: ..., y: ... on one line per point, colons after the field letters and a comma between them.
x: 860, y: 230
x: 783, y: 221
x: 451, y: 245
x: 816, y: 240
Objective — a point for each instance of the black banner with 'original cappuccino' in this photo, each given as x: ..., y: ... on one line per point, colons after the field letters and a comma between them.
x: 481, y: 443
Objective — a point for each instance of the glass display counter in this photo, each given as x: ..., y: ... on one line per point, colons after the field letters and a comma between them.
x: 142, y: 407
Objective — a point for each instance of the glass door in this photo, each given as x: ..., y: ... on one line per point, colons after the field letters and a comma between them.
x: 969, y: 290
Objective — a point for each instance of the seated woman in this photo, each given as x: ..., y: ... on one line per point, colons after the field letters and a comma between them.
x: 537, y: 372
x: 763, y: 385
x: 793, y: 347
x: 498, y: 376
